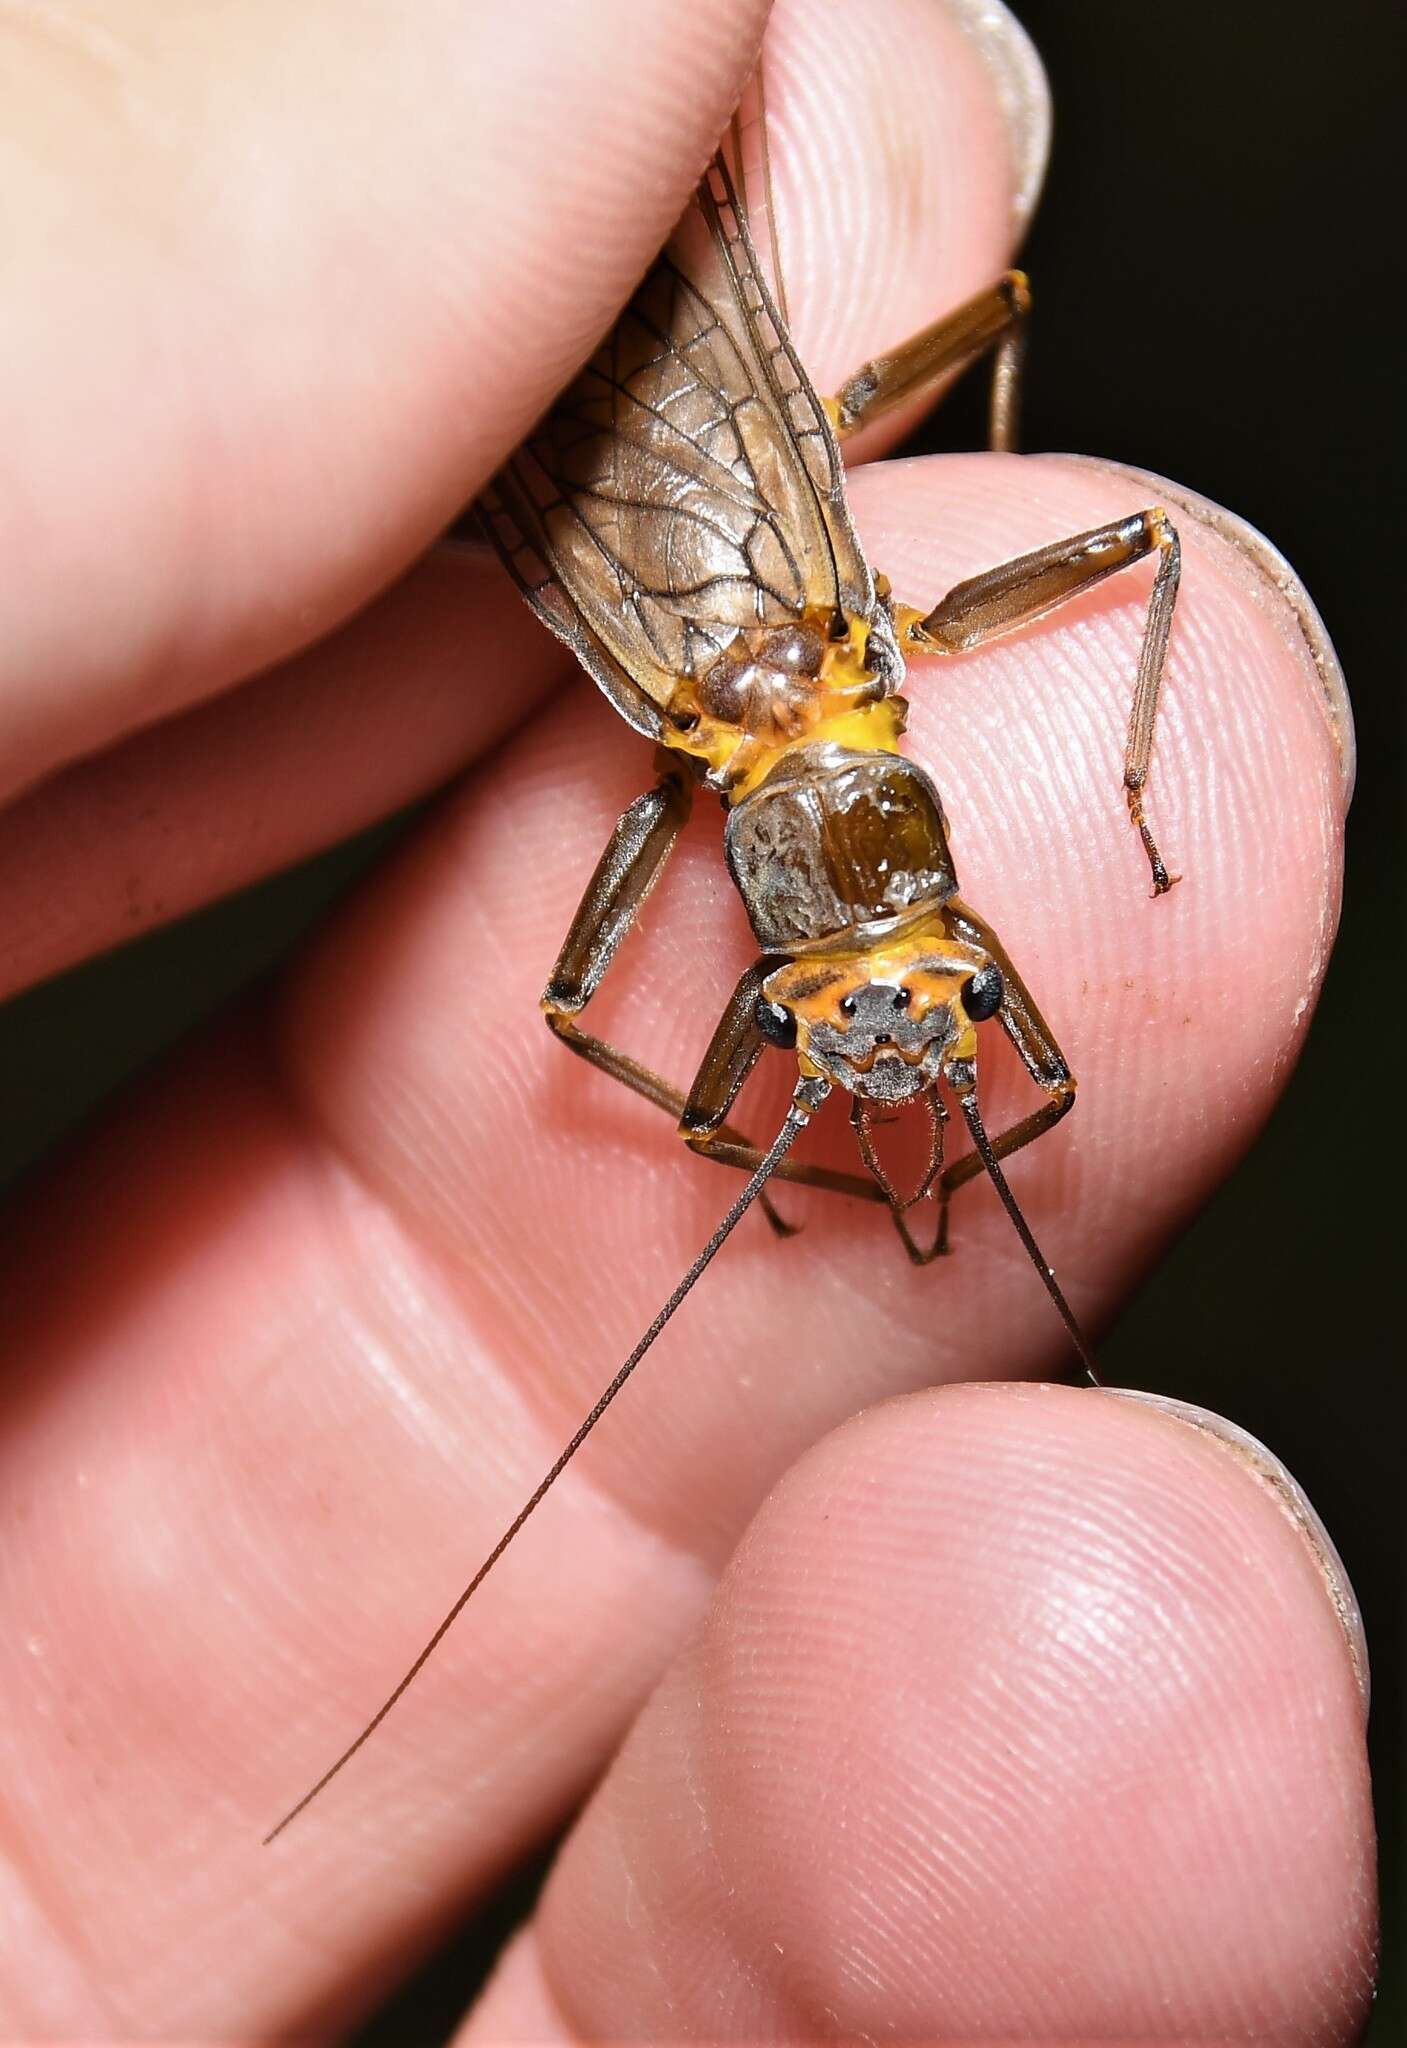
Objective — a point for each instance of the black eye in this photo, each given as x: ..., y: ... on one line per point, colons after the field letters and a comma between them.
x: 776, y: 1023
x: 982, y: 997
x: 847, y: 1006
x: 901, y: 998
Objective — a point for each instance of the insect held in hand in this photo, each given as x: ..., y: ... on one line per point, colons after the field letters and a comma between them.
x: 679, y: 519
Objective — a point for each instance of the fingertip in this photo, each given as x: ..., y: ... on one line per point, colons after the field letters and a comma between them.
x: 908, y: 141
x: 1019, y: 1712
x: 1181, y: 1017
x: 273, y: 320
x: 1023, y: 94
x: 1271, y: 584
x: 1268, y: 1471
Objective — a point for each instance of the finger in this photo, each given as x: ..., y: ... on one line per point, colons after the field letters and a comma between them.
x: 451, y: 205
x: 185, y: 1973
x: 1019, y: 1715
x: 890, y: 219
x: 421, y: 682
x: 1179, y: 1017
x: 284, y: 291
x: 342, y: 1300
x: 932, y: 183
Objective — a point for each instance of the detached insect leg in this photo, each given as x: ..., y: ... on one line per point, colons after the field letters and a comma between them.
x: 1014, y: 593
x: 995, y: 319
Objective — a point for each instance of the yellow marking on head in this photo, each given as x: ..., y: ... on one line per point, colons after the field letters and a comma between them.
x: 814, y: 987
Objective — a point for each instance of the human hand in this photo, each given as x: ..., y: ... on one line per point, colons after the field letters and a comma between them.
x: 1011, y: 1694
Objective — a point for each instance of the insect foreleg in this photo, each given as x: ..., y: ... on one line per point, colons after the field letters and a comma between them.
x: 642, y: 842
x: 995, y: 319
x: 1040, y: 1055
x: 626, y: 872
x: 1014, y: 593
x: 731, y: 1056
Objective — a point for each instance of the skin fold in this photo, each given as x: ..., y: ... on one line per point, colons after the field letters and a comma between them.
x: 1020, y: 1712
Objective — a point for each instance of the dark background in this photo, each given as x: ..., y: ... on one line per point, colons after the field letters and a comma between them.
x: 1213, y: 263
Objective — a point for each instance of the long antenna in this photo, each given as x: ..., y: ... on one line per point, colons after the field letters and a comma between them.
x: 968, y: 1101
x: 807, y: 1098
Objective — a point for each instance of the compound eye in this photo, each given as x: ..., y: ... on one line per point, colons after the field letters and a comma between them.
x: 776, y: 1023
x: 982, y: 996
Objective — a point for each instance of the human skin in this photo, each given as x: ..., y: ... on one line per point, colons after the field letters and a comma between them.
x: 1003, y: 1711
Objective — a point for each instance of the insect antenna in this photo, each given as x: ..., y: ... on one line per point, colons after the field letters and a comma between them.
x: 967, y: 1099
x: 807, y: 1098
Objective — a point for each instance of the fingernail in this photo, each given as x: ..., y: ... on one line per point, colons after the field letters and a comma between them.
x: 1279, y: 593
x: 1022, y: 94
x: 1294, y: 1502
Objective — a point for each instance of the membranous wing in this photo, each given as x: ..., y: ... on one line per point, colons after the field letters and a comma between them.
x: 687, y: 485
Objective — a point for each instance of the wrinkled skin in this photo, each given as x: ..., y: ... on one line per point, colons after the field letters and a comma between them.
x: 1019, y: 1712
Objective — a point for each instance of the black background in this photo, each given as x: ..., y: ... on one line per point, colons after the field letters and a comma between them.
x: 1213, y: 261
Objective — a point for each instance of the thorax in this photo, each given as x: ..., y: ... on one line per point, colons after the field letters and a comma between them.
x: 838, y: 847
x: 778, y: 690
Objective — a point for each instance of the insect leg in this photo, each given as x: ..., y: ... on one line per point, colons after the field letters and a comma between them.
x: 995, y: 319
x: 1040, y: 1055
x: 733, y: 1052
x: 642, y: 842
x: 626, y: 872
x: 1014, y: 593
x: 634, y: 858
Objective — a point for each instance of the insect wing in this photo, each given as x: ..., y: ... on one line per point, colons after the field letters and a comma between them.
x: 687, y: 485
